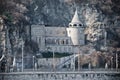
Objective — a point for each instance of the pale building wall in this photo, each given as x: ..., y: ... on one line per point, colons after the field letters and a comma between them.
x: 77, y: 35
x: 59, y: 44
x: 59, y: 39
x: 55, y: 31
x: 38, y: 35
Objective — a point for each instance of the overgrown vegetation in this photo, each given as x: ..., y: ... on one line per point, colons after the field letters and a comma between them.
x: 16, y: 21
x: 56, y: 54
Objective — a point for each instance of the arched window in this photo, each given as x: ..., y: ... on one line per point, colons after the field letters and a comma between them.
x: 67, y: 42
x: 70, y: 25
x: 57, y: 41
x: 104, y: 24
x: 40, y: 41
x: 74, y: 24
x: 63, y: 42
x: 80, y: 24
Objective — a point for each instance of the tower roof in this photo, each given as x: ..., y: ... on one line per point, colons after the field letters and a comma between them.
x: 76, y: 18
x: 76, y: 21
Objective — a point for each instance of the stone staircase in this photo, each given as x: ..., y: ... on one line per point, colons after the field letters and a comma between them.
x: 67, y: 61
x: 2, y: 58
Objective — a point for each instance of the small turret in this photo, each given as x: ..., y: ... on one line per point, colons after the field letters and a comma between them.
x: 76, y: 30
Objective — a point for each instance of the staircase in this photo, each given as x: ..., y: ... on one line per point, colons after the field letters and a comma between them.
x: 2, y: 58
x: 67, y: 61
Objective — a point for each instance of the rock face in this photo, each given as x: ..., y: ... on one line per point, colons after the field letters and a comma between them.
x: 60, y: 12
x: 2, y: 36
x: 93, y: 13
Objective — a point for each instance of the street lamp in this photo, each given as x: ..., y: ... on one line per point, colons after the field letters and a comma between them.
x: 79, y: 60
x: 111, y: 62
x: 22, y: 55
x: 53, y: 60
x: 33, y: 62
x: 74, y: 58
x: 116, y: 61
x: 89, y: 66
x: 106, y: 65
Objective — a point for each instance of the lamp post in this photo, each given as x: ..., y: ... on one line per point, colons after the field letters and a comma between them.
x: 53, y: 60
x: 106, y: 66
x: 22, y: 55
x: 33, y: 62
x: 79, y: 59
x: 73, y: 59
x: 75, y: 47
x: 89, y: 66
x: 111, y: 62
x: 116, y: 61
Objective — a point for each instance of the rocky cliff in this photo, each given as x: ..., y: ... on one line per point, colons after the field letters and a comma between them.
x: 19, y: 15
x: 60, y: 13
x: 93, y: 13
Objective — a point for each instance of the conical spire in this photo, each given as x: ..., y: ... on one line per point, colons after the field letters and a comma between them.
x: 75, y: 21
x: 76, y: 18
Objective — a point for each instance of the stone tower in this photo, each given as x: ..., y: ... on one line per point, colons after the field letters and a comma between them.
x: 76, y: 30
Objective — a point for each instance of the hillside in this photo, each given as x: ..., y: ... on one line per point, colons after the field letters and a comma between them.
x: 18, y: 15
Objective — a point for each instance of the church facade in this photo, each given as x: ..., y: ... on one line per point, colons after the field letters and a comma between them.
x: 60, y: 39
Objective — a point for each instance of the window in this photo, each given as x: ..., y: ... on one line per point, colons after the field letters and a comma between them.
x: 57, y: 41
x: 75, y: 25
x: 39, y: 41
x: 104, y: 24
x: 70, y: 25
x: 80, y: 24
x: 62, y: 42
x: 67, y: 42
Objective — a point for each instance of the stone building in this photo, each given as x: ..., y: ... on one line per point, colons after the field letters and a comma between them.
x: 60, y: 39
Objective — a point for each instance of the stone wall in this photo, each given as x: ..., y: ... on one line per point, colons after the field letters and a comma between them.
x: 60, y: 76
x: 48, y: 62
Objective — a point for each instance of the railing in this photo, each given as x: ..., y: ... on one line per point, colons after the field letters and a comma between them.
x: 2, y: 58
x: 83, y: 71
x: 69, y: 70
x: 66, y: 61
